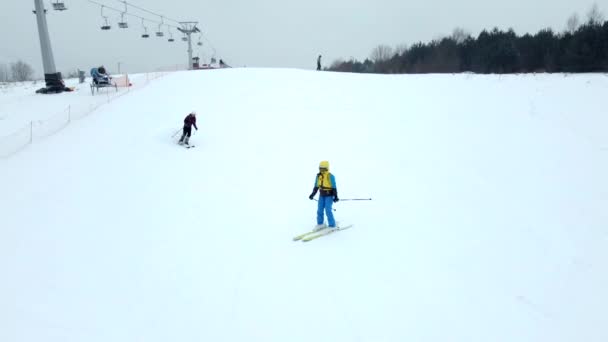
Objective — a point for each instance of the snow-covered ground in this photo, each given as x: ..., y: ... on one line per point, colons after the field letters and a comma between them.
x: 488, y: 219
x: 21, y: 107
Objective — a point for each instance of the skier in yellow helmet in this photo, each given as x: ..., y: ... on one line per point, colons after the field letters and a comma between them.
x: 325, y: 183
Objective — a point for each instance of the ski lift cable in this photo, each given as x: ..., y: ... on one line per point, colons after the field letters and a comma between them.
x: 145, y: 10
x: 209, y: 44
x: 207, y: 40
x: 123, y: 23
x: 126, y: 4
x: 123, y: 13
x: 126, y: 9
x: 130, y: 14
x: 106, y: 25
x: 162, y: 21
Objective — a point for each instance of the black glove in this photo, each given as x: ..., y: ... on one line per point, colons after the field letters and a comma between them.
x: 314, y: 192
x: 336, y: 199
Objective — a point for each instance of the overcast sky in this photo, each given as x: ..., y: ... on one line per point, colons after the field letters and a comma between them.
x: 262, y: 33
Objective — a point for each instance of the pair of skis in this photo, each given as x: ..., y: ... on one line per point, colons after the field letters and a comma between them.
x: 315, y: 234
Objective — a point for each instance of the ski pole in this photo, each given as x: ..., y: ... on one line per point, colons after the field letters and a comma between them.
x: 174, y: 134
x: 355, y: 199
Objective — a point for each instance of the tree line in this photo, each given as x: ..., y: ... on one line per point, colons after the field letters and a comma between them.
x: 18, y: 71
x: 581, y: 47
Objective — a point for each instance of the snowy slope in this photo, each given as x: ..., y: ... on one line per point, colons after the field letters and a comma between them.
x: 20, y: 105
x: 488, y: 220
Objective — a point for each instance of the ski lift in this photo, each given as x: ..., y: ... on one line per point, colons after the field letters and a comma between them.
x: 199, y: 43
x: 59, y: 6
x: 184, y: 38
x: 170, y: 36
x: 160, y: 33
x: 106, y: 25
x: 122, y: 23
x: 145, y: 34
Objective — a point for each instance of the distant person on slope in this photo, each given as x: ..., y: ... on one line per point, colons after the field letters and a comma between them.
x: 319, y: 63
x: 325, y: 183
x: 189, y: 121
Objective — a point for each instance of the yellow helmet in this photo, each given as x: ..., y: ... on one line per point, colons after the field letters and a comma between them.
x: 324, y: 165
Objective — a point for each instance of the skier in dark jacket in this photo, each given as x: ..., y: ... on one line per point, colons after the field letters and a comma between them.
x: 189, y: 121
x: 319, y: 63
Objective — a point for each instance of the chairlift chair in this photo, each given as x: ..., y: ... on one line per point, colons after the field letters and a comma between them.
x: 145, y: 34
x: 59, y: 6
x: 106, y: 26
x: 160, y: 33
x: 122, y: 23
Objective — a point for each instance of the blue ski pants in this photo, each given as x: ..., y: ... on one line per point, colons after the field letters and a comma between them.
x: 325, y: 204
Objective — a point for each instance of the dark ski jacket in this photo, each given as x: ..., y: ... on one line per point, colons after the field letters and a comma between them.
x: 190, y: 121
